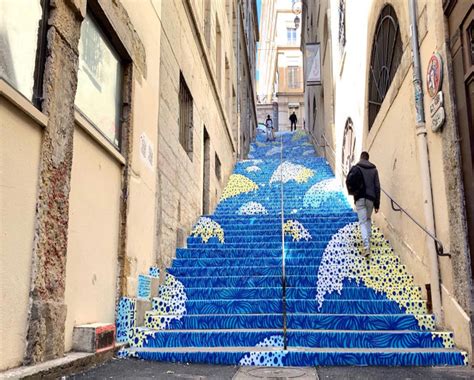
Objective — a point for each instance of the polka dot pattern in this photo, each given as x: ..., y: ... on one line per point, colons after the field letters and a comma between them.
x: 321, y: 192
x: 252, y: 169
x: 207, y: 228
x: 238, y: 184
x: 252, y: 208
x: 288, y: 171
x: 266, y: 359
x: 170, y: 305
x: 383, y: 272
x: 296, y: 230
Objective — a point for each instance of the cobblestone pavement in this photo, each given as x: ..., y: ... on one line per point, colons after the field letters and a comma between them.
x: 137, y: 369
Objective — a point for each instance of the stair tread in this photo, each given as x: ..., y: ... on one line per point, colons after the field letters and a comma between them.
x: 289, y: 349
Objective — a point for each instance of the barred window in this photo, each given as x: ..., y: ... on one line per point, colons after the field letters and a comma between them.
x: 293, y: 77
x: 19, y: 20
x: 385, y: 59
x: 99, y: 81
x: 185, y: 117
x: 342, y: 24
x: 291, y: 36
x: 218, y: 168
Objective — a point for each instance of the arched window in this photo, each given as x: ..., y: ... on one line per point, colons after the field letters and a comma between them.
x: 384, y: 61
x: 348, y: 147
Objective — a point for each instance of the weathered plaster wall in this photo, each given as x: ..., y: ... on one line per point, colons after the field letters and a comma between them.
x: 392, y: 143
x: 142, y: 216
x: 93, y: 235
x: 20, y: 144
x: 180, y: 178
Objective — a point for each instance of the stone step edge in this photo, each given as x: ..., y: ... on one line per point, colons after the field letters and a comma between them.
x: 279, y: 331
x: 294, y: 299
x: 289, y: 314
x: 244, y: 349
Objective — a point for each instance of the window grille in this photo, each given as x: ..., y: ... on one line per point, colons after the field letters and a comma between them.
x: 292, y: 76
x: 99, y: 81
x: 384, y: 61
x: 291, y: 35
x: 218, y: 167
x: 185, y: 117
x: 342, y: 24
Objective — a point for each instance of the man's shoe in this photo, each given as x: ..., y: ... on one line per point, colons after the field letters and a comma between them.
x: 365, y: 252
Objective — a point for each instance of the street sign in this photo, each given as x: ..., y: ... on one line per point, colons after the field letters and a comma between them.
x: 436, y: 103
x: 434, y: 74
x: 438, y: 119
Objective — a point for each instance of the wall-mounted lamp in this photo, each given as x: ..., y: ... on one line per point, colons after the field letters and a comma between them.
x: 297, y: 8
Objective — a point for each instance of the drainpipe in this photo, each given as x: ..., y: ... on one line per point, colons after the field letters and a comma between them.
x: 239, y: 153
x: 424, y: 165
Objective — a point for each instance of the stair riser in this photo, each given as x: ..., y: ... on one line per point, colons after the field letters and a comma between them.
x: 213, y: 243
x: 265, y: 306
x: 326, y: 339
x: 277, y: 292
x: 243, y: 262
x: 244, y: 271
x: 301, y: 359
x: 296, y: 321
x: 257, y: 240
x: 249, y: 282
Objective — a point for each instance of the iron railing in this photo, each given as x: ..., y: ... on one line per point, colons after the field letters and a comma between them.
x: 396, y: 207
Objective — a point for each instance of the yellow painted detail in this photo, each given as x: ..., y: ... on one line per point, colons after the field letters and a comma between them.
x: 238, y: 184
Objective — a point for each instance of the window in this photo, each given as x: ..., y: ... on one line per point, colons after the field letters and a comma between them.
x: 228, y: 95
x: 293, y: 76
x: 207, y: 22
x: 218, y: 168
x: 99, y: 84
x: 348, y: 147
x: 185, y: 117
x: 18, y: 43
x: 218, y: 53
x: 342, y: 24
x: 291, y: 36
x: 384, y: 61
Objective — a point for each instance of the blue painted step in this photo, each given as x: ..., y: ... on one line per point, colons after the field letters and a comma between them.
x: 295, y: 338
x: 315, y: 357
x: 262, y: 306
x: 233, y: 290
x: 294, y: 321
x: 358, y: 293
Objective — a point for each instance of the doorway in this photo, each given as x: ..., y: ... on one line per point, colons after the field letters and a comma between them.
x: 461, y: 33
x: 206, y: 185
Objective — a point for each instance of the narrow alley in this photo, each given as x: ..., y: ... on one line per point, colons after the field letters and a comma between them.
x: 237, y: 189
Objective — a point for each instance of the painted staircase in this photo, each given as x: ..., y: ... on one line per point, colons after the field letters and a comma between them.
x: 221, y: 301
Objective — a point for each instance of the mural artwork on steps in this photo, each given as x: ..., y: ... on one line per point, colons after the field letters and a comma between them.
x: 221, y: 300
x: 252, y: 208
x: 207, y: 228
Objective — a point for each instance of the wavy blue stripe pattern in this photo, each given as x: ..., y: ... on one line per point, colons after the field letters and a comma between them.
x: 228, y: 292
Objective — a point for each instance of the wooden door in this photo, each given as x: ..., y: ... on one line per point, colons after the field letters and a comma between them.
x: 461, y: 30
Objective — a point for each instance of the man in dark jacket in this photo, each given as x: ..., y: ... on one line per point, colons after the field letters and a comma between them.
x: 293, y: 120
x: 367, y: 199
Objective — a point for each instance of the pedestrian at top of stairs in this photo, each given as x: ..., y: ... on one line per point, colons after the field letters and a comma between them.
x: 363, y: 184
x: 293, y: 120
x: 270, y: 129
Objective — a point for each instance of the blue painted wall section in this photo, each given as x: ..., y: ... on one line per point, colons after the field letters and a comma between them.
x: 225, y: 291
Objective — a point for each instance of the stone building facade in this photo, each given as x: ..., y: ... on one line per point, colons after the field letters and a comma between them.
x: 425, y: 164
x: 280, y: 64
x: 120, y: 121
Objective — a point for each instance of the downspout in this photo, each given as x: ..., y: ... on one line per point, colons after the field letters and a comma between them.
x: 239, y: 153
x: 424, y: 162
